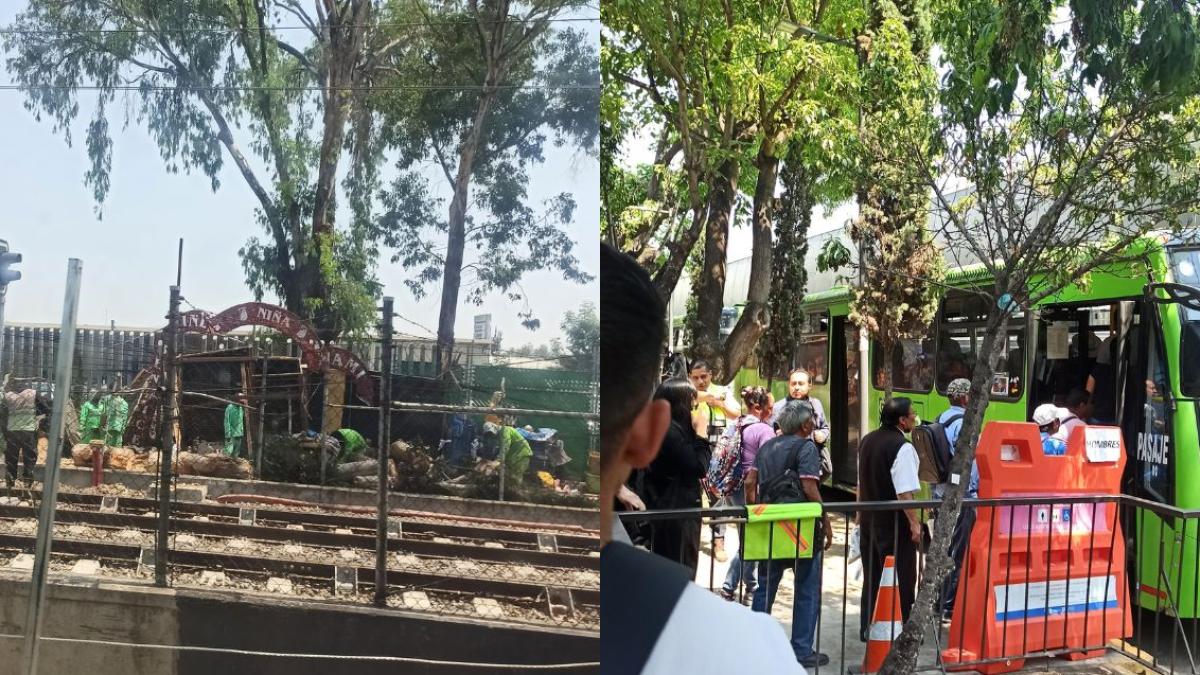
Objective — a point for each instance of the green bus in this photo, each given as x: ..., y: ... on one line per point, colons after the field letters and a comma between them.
x: 1134, y: 327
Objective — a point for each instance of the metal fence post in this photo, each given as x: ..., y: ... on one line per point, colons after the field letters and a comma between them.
x: 62, y: 380
x: 166, y: 456
x: 3, y: 298
x: 262, y: 414
x: 385, y: 439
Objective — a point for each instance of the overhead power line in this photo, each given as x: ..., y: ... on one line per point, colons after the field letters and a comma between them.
x: 228, y: 29
x: 401, y: 87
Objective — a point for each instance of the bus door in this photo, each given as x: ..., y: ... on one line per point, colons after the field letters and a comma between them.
x: 1146, y: 409
x: 1155, y: 469
x: 1081, y: 346
x: 844, y: 423
x: 1151, y: 435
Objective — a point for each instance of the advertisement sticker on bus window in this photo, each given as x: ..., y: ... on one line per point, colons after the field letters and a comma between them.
x: 1103, y: 444
x: 1058, y: 340
x: 1000, y: 384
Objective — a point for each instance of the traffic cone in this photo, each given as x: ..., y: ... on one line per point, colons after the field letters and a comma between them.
x: 886, y: 621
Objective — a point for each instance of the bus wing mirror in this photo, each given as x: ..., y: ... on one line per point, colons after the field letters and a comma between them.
x: 1178, y: 294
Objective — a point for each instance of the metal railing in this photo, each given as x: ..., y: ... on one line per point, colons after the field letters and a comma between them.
x: 1157, y: 556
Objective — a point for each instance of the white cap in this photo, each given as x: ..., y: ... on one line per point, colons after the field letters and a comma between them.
x: 1063, y: 414
x: 1045, y: 414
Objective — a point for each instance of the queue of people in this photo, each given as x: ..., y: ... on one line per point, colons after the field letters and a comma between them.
x: 659, y: 452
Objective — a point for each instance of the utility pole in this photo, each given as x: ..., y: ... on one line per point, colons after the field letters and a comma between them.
x: 864, y: 368
x: 166, y: 456
x: 62, y: 382
x: 7, y: 259
x: 385, y: 440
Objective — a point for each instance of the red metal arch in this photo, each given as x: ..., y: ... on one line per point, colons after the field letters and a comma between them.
x: 317, y: 355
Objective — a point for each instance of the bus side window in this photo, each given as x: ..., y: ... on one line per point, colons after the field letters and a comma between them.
x: 962, y: 324
x: 812, y: 350
x: 912, y: 365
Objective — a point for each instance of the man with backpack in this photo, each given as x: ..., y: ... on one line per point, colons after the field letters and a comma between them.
x: 787, y: 470
x: 731, y: 461
x: 958, y: 391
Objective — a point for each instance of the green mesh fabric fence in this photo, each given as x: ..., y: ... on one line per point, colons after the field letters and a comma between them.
x: 542, y: 390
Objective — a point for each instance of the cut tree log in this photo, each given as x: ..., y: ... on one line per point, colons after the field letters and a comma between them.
x: 119, y: 458
x: 220, y: 466
x: 81, y: 455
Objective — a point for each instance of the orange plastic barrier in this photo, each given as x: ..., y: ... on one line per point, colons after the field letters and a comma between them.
x: 1042, y: 577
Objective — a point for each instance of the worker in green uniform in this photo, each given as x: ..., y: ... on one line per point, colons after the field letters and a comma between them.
x: 514, y: 449
x: 352, y: 444
x: 235, y: 425
x: 89, y: 419
x: 115, y: 415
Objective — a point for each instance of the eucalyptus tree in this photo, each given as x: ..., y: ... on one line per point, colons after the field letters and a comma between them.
x: 523, y: 77
x: 266, y: 84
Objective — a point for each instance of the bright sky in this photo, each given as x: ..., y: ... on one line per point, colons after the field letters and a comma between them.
x: 129, y: 256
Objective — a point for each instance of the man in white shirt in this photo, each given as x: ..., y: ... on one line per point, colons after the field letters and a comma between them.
x: 651, y: 614
x: 1078, y: 411
x: 887, y: 471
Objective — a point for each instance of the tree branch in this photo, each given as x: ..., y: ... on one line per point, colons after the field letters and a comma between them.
x: 293, y: 7
x: 441, y: 157
x: 299, y: 55
x: 805, y: 31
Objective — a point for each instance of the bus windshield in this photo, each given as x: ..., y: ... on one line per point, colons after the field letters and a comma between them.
x: 1185, y: 268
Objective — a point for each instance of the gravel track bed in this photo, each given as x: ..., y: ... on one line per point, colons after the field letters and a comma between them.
x: 587, y: 579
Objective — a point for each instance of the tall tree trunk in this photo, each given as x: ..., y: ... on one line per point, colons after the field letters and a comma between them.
x: 925, y: 613
x: 709, y: 288
x: 789, y: 277
x: 347, y: 27
x: 316, y: 286
x: 456, y: 236
x: 756, y: 317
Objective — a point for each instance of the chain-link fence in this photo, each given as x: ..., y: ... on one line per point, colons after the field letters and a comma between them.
x: 289, y: 506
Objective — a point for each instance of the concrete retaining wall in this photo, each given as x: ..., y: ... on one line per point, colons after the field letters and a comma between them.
x: 148, y: 616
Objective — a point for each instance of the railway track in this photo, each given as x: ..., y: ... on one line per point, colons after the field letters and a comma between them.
x: 555, y: 571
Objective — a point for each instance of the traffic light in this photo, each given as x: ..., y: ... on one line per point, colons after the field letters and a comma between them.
x: 7, y: 260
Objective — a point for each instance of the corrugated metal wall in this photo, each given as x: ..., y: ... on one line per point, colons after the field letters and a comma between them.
x: 108, y: 356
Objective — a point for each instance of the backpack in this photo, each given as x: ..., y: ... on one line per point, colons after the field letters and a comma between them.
x: 933, y: 450
x: 721, y: 479
x: 784, y: 488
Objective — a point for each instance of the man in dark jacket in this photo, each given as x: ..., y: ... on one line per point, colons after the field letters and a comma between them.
x: 887, y: 471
